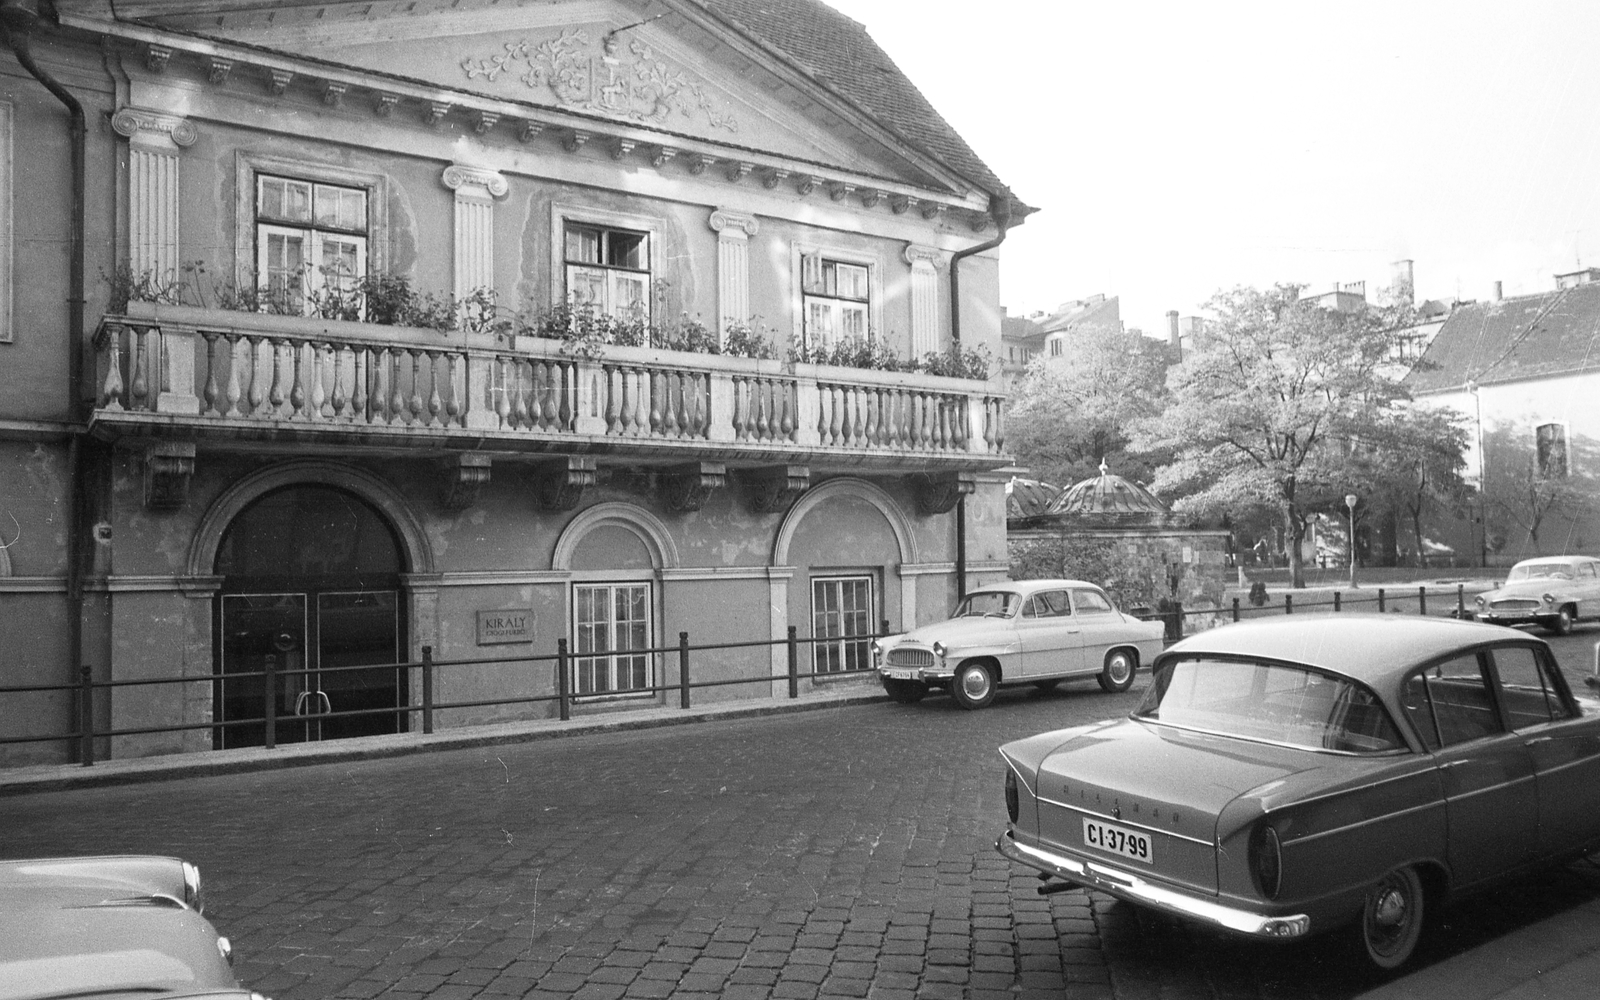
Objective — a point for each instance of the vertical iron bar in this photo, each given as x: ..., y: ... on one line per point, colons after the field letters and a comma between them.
x: 1461, y: 600
x: 683, y: 668
x: 794, y: 664
x: 1380, y: 598
x: 1288, y: 604
x: 269, y: 708
x: 427, y: 690
x: 86, y: 715
x: 1336, y: 601
x: 563, y: 681
x: 1422, y: 600
x: 1235, y: 609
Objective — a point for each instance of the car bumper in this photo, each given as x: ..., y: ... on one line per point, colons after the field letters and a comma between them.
x: 1515, y: 617
x: 925, y: 674
x: 1128, y: 886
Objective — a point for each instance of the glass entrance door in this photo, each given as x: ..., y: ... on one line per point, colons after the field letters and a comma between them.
x: 356, y: 628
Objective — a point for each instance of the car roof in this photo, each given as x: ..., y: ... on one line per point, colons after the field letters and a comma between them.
x: 1555, y: 560
x: 1032, y: 586
x: 1367, y: 647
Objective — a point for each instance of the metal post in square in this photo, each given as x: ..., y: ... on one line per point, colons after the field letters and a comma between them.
x: 1335, y: 600
x: 86, y: 715
x: 1235, y: 609
x: 1461, y: 600
x: 1288, y: 604
x: 269, y: 700
x: 683, y: 669
x: 1422, y: 600
x: 794, y: 664
x: 563, y: 681
x: 1380, y: 599
x: 427, y: 689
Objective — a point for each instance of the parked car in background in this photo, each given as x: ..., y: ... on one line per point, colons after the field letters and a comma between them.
x: 109, y: 927
x: 1552, y: 591
x: 1039, y: 632
x: 1290, y: 776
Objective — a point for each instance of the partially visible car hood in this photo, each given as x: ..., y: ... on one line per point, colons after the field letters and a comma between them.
x: 1533, y: 589
x: 968, y: 628
x: 150, y: 951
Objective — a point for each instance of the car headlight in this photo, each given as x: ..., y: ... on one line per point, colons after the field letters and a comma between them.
x: 877, y: 652
x: 938, y: 650
x: 1549, y: 598
x: 1480, y: 600
x: 191, y: 888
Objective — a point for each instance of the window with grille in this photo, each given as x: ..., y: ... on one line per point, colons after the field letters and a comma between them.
x: 837, y: 300
x: 841, y: 622
x: 612, y: 628
x: 608, y: 270
x: 311, y: 240
x: 1551, y: 440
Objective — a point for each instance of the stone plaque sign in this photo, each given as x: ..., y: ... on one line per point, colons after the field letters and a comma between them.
x: 507, y: 626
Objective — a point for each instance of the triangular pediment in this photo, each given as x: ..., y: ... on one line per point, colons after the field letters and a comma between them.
x: 642, y: 65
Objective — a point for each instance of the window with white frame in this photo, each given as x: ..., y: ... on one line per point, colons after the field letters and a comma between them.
x: 612, y: 628
x: 841, y: 623
x: 608, y: 270
x: 1551, y: 442
x: 837, y: 299
x: 311, y: 239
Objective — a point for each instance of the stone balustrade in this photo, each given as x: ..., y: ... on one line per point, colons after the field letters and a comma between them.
x: 208, y: 368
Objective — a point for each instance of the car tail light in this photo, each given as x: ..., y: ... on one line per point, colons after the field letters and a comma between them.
x: 1266, y: 860
x: 1013, y: 807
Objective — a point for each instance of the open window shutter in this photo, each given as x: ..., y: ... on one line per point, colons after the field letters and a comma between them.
x: 811, y: 272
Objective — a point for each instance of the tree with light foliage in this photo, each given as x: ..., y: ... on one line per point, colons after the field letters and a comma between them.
x: 1072, y: 411
x: 1269, y: 407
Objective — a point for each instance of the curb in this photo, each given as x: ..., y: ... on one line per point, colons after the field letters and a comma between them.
x: 208, y: 763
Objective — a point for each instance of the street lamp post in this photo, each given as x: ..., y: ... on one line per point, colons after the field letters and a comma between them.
x: 1350, y: 502
x: 1483, y: 510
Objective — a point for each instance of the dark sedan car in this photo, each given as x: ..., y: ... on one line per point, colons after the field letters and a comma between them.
x: 109, y: 928
x: 1294, y: 775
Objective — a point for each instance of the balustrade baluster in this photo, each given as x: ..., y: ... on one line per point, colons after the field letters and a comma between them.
x: 275, y: 392
x: 297, y: 391
x: 567, y: 374
x: 210, y: 392
x: 435, y: 400
x: 870, y: 402
x: 397, y: 392
x: 139, y: 384
x: 835, y: 413
x: 257, y: 396
x: 790, y: 393
x: 944, y: 424
x: 755, y: 422
x: 319, y: 395
x: 612, y: 410
x: 338, y: 399
x: 660, y: 415
x: 500, y: 392
x: 111, y: 390
x: 232, y: 392
x: 358, y: 402
x: 697, y: 408
x: 452, y: 409
x: 417, y: 402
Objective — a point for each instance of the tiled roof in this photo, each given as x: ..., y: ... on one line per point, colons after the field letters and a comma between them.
x: 838, y: 54
x: 1529, y: 336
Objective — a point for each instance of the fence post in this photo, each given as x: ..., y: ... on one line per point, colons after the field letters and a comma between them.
x: 86, y: 715
x: 427, y: 690
x: 1422, y: 600
x: 794, y: 664
x: 1335, y: 600
x: 1380, y: 599
x: 563, y: 681
x: 1288, y: 604
x: 269, y: 708
x: 1461, y: 600
x: 683, y: 668
x: 1235, y: 609
x: 885, y: 624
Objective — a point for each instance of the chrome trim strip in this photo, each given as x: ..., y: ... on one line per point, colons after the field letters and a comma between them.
x: 1123, y: 822
x: 1272, y: 743
x: 1125, y: 885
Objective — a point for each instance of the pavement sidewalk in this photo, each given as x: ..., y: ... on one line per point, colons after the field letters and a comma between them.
x: 131, y: 770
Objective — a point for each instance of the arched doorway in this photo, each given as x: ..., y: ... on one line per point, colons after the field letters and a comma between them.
x: 311, y: 585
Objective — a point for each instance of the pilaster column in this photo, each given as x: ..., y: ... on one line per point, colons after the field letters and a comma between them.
x: 476, y: 190
x: 733, y: 230
x: 924, y: 263
x: 155, y: 141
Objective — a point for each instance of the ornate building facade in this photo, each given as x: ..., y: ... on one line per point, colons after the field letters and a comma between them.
x: 337, y: 331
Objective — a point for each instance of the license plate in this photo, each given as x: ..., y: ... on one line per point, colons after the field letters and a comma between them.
x: 1117, y: 840
x: 901, y: 675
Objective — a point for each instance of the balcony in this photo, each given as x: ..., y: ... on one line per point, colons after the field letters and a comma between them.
x: 186, y: 378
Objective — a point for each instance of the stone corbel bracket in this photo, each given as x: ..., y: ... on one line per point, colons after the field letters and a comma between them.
x: 145, y: 125
x: 460, y: 175
x: 561, y: 482
x: 938, y: 493
x: 688, y: 487
x: 168, y: 470
x: 465, y: 477
x: 775, y: 489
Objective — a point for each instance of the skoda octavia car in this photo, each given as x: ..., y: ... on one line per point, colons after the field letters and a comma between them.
x: 1289, y: 776
x: 1039, y: 632
x: 109, y: 927
x: 1553, y: 591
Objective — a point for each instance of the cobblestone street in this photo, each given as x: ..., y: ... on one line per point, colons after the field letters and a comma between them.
x: 839, y: 853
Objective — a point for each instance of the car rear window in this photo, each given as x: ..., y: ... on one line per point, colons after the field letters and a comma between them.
x: 1276, y: 702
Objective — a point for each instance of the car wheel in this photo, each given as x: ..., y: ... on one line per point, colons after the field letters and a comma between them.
x: 1391, y: 918
x: 1562, y: 623
x: 905, y: 692
x: 1117, y: 674
x: 974, y: 686
x: 1049, y: 685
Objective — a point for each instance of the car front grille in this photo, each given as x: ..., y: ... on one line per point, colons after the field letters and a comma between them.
x: 1514, y: 605
x: 910, y: 658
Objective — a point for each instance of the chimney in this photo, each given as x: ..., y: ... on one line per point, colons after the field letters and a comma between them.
x: 1172, y: 332
x: 1404, y: 288
x: 1497, y: 291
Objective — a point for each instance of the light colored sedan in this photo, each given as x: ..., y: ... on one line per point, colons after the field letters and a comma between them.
x: 1551, y: 591
x: 1038, y: 632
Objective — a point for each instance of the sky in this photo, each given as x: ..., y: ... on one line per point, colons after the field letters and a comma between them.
x: 1177, y: 148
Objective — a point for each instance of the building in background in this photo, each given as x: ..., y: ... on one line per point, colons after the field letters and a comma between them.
x: 391, y: 328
